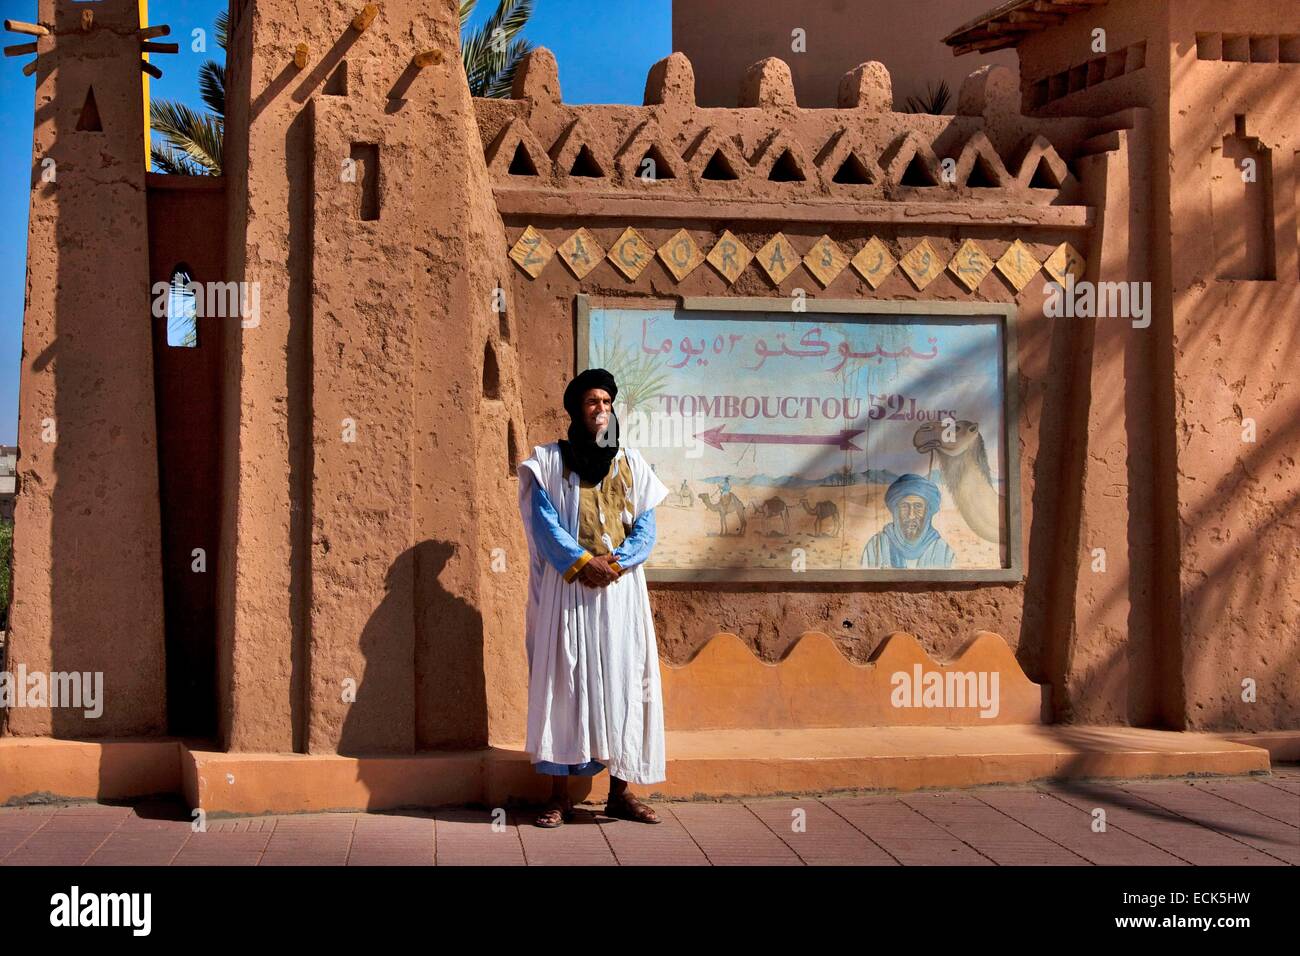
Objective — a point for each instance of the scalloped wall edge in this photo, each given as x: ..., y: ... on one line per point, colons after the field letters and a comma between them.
x: 726, y: 686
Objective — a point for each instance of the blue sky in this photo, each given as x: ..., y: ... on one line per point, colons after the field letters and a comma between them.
x: 604, y: 51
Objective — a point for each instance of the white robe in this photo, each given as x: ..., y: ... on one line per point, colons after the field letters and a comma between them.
x: 593, y: 664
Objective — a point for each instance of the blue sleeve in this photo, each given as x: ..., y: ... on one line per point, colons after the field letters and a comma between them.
x: 559, y: 548
x: 636, y: 546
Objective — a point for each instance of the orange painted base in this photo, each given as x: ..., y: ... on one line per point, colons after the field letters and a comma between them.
x: 1283, y: 746
x: 32, y: 767
x: 702, y: 764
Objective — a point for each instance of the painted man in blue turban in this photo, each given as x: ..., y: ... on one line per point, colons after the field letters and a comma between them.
x: 909, y: 541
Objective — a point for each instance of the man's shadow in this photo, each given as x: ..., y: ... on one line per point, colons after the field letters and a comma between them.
x: 424, y: 685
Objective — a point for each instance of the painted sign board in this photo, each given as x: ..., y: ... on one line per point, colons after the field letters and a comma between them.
x: 839, y: 440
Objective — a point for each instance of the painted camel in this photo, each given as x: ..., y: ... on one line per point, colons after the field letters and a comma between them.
x: 964, y: 464
x: 823, y: 511
x: 728, y: 504
x: 773, y: 507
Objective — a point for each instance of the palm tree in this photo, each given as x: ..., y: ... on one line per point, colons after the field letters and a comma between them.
x: 935, y: 100
x: 492, y: 53
x: 193, y: 139
x: 192, y: 146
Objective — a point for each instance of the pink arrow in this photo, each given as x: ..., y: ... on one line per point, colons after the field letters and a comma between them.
x: 844, y: 440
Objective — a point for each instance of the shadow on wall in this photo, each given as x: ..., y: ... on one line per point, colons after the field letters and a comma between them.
x: 450, y: 700
x: 1229, y: 507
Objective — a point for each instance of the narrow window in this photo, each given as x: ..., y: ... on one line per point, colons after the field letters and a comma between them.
x: 366, y: 158
x: 491, y: 373
x: 182, y: 311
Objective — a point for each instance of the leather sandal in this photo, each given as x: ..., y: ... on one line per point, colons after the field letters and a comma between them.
x: 628, y: 807
x: 556, y: 814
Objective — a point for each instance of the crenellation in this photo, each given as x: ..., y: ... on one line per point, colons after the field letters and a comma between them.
x: 774, y: 147
x: 867, y: 86
x: 768, y: 84
x: 537, y: 81
x: 671, y: 83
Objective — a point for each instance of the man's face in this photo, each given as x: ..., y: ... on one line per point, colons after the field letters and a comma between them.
x: 911, y: 516
x: 596, y: 406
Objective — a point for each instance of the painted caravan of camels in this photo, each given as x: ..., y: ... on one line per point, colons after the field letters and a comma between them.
x: 908, y: 537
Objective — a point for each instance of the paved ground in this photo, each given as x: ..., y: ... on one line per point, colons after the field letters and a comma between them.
x: 1198, y: 822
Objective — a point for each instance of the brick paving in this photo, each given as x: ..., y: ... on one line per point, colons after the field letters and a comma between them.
x: 1189, y: 821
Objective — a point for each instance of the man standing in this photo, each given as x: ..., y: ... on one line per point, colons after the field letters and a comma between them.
x: 594, y: 698
x: 909, y: 541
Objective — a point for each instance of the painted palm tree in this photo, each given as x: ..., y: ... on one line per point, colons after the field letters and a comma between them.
x: 640, y: 377
x: 192, y: 139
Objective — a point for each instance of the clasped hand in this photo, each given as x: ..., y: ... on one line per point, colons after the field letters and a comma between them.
x: 597, y: 573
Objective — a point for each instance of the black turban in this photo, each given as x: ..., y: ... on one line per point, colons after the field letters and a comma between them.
x: 583, y: 383
x: 582, y: 452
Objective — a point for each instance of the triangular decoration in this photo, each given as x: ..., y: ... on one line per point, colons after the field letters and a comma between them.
x: 579, y: 154
x: 516, y: 152
x: 912, y: 162
x: 89, y: 121
x: 782, y: 159
x: 716, y: 157
x: 649, y: 142
x: 1043, y: 168
x: 847, y: 160
x: 980, y: 166
x: 720, y: 167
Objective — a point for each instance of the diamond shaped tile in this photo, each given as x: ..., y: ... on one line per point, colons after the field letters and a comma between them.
x: 923, y: 264
x: 532, y: 252
x: 778, y: 258
x: 729, y: 256
x: 1019, y: 265
x: 631, y: 253
x: 1065, y: 259
x: 581, y: 253
x: 681, y: 255
x: 970, y: 265
x: 874, y: 262
x: 825, y: 260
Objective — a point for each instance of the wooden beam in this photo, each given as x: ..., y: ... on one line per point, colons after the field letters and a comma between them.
x: 20, y: 49
x: 300, y: 55
x: 1060, y: 7
x: 148, y: 33
x: 984, y: 46
x: 151, y: 70
x: 160, y: 47
x: 427, y: 58
x: 1003, y: 28
x: 365, y: 17
x: 30, y: 68
x: 31, y: 29
x: 1043, y: 19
